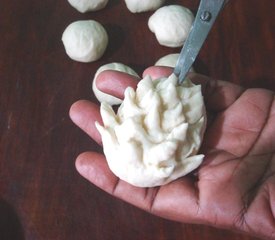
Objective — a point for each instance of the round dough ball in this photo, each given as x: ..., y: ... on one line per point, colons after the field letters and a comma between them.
x: 85, y: 41
x: 171, y: 25
x: 136, y: 6
x: 170, y: 60
x: 104, y: 97
x: 88, y: 5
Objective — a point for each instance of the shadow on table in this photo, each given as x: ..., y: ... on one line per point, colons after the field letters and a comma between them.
x: 10, y: 226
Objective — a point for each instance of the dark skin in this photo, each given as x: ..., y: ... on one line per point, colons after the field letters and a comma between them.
x: 234, y: 188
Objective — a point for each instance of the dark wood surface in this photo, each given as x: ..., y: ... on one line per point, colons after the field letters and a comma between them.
x: 41, y: 194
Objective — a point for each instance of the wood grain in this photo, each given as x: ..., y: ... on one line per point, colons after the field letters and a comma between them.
x: 41, y: 194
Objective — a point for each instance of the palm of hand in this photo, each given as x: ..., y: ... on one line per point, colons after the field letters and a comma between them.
x: 234, y: 187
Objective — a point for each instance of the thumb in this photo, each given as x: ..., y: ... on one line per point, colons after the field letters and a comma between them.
x: 218, y: 95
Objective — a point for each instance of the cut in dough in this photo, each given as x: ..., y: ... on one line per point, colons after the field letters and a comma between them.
x: 171, y: 25
x: 85, y: 41
x: 170, y: 60
x: 155, y: 136
x: 136, y: 6
x: 104, y: 97
x: 88, y: 5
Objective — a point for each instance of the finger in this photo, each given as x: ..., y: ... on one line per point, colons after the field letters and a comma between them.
x: 176, y: 196
x: 115, y: 82
x: 166, y: 201
x: 218, y: 95
x: 93, y: 167
x: 84, y: 114
x: 156, y: 72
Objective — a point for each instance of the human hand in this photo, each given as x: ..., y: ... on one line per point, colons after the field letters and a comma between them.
x: 234, y: 188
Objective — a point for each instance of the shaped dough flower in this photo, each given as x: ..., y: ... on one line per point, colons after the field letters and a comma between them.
x: 156, y: 134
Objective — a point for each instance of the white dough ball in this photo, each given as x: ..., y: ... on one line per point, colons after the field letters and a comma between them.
x: 136, y: 6
x: 85, y: 41
x: 88, y: 5
x: 171, y: 25
x: 104, y: 97
x: 170, y: 60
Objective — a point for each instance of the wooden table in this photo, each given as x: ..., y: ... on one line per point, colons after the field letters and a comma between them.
x: 41, y: 194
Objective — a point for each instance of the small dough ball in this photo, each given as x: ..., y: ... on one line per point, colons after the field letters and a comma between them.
x: 136, y: 6
x: 88, y: 5
x: 85, y: 41
x: 104, y: 97
x: 170, y: 60
x: 171, y: 25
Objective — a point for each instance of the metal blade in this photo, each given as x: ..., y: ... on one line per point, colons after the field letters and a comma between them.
x: 204, y: 20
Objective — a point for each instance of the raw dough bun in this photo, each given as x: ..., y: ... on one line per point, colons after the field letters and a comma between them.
x: 104, y: 97
x: 88, y: 5
x: 155, y: 136
x: 170, y: 60
x: 85, y: 41
x: 171, y: 25
x: 136, y: 6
